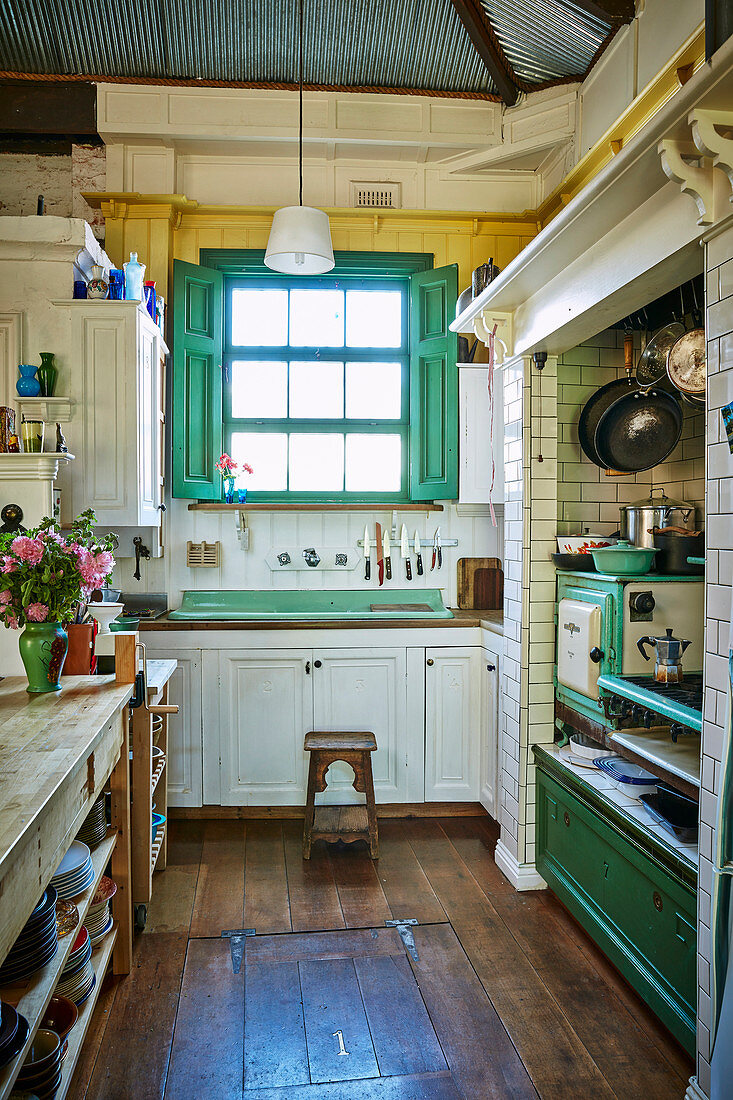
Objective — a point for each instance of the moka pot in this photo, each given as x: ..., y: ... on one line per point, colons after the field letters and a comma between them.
x: 668, y: 663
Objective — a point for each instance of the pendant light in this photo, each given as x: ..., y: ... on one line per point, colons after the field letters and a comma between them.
x: 300, y: 237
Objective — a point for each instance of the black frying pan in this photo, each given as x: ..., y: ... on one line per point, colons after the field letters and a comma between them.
x: 638, y: 431
x: 594, y: 409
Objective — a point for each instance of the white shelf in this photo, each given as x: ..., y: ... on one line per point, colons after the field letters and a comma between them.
x: 51, y: 409
x: 31, y: 997
x: 31, y: 467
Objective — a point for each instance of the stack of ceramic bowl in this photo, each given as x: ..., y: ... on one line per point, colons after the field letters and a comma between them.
x: 98, y: 920
x: 13, y: 1032
x: 94, y: 828
x: 75, y: 872
x: 78, y: 978
x: 35, y: 945
x: 40, y: 1075
x: 60, y: 1016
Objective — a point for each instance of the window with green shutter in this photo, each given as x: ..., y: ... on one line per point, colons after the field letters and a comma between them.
x: 337, y: 388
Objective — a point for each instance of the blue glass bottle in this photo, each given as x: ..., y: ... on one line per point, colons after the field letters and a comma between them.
x: 134, y: 279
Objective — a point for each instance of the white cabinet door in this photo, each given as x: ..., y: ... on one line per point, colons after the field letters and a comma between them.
x: 489, y: 733
x: 480, y: 436
x: 452, y: 724
x: 148, y: 425
x: 366, y: 689
x: 265, y: 709
x: 184, y: 763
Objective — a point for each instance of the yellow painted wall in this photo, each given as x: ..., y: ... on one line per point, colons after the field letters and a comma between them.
x: 164, y: 228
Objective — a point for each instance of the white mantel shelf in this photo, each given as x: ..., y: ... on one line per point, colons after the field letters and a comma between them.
x: 52, y: 410
x: 31, y: 467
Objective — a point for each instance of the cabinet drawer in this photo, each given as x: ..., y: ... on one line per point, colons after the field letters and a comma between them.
x: 639, y: 914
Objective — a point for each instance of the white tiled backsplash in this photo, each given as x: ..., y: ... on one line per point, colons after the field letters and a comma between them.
x: 587, y: 497
x: 239, y: 569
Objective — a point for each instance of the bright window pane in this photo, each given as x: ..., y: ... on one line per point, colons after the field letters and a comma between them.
x: 373, y: 318
x: 317, y: 390
x: 260, y: 318
x: 267, y: 454
x: 316, y: 463
x: 373, y: 463
x: 317, y: 318
x: 373, y: 391
x: 259, y: 389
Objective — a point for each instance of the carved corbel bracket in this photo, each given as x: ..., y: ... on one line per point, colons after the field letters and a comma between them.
x: 695, y: 181
x: 483, y: 326
x: 712, y: 144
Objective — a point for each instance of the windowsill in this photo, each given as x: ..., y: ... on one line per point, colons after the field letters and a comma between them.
x: 315, y: 506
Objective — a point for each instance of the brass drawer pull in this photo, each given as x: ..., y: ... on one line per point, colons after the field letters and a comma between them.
x: 658, y: 903
x: 566, y: 818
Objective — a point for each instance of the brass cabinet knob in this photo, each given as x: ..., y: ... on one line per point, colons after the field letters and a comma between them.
x: 430, y: 662
x: 658, y: 903
x: 566, y: 818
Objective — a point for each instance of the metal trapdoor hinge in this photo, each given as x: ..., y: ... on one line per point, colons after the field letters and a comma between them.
x: 404, y: 928
x: 236, y: 937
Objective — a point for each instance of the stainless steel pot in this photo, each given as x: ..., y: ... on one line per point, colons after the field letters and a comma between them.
x: 638, y: 519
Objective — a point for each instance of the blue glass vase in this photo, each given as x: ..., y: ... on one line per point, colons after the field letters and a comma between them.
x: 228, y: 490
x: 28, y: 385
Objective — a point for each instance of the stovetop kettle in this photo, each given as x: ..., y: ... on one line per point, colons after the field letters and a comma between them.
x: 668, y: 663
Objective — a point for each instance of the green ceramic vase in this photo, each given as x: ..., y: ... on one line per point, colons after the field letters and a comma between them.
x: 47, y: 374
x: 43, y: 649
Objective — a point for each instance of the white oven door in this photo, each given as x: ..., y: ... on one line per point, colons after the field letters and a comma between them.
x: 578, y: 632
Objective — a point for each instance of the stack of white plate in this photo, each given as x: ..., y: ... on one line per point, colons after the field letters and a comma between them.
x: 98, y: 920
x: 75, y: 872
x: 78, y: 977
x: 94, y: 828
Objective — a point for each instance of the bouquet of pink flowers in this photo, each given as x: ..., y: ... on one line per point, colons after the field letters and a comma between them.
x: 226, y: 465
x: 45, y: 575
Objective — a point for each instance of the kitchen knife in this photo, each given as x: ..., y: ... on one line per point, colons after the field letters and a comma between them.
x: 405, y: 551
x: 439, y: 548
x: 435, y: 550
x: 418, y: 550
x: 387, y: 557
x: 380, y: 559
x: 367, y: 558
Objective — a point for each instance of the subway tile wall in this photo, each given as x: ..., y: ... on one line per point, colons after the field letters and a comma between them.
x: 587, y: 497
x: 719, y: 586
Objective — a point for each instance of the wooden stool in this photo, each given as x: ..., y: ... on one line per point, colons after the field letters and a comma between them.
x: 346, y: 823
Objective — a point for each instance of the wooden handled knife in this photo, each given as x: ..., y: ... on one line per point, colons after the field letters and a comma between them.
x: 418, y: 550
x: 387, y: 557
x: 380, y: 558
x: 405, y: 551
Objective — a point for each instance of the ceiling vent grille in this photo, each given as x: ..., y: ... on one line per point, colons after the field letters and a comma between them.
x: 376, y: 196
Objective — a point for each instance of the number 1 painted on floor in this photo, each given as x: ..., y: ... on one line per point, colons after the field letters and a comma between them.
x: 340, y: 1036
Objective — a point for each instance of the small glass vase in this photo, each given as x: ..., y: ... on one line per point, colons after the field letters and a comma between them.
x: 28, y: 385
x: 47, y: 374
x: 43, y: 648
x: 228, y: 489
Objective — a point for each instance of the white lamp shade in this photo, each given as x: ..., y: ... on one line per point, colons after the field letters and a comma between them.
x: 300, y: 241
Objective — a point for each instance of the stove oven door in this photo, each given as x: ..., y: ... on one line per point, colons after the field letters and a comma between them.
x: 579, y: 646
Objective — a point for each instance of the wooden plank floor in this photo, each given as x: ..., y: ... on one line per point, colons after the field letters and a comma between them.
x: 508, y: 998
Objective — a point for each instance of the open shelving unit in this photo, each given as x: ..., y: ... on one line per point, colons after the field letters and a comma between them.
x: 31, y: 997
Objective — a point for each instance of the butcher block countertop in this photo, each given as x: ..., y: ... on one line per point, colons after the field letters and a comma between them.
x: 489, y: 620
x: 56, y: 750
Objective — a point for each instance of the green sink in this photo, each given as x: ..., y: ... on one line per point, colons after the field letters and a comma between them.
x: 394, y: 603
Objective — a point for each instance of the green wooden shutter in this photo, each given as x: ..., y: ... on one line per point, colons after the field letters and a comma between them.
x: 197, y: 412
x: 433, y: 385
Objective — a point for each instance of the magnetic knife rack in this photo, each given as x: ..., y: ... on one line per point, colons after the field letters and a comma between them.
x: 395, y: 541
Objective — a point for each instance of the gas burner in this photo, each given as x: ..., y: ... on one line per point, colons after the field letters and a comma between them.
x: 689, y: 692
x: 641, y: 701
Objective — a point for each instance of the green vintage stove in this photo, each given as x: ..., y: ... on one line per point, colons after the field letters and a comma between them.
x: 600, y: 619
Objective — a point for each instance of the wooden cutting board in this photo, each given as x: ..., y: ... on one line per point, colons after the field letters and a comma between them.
x: 480, y: 584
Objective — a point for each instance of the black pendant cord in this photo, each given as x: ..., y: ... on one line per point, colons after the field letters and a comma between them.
x: 300, y: 90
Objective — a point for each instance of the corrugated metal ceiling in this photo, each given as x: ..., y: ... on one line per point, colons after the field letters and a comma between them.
x: 410, y: 44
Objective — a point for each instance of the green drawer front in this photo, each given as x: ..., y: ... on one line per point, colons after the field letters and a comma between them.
x: 639, y: 914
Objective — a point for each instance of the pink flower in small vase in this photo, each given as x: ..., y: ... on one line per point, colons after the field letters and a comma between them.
x: 30, y: 550
x: 37, y: 612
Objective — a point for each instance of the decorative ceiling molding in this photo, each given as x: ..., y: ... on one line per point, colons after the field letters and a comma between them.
x: 710, y: 142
